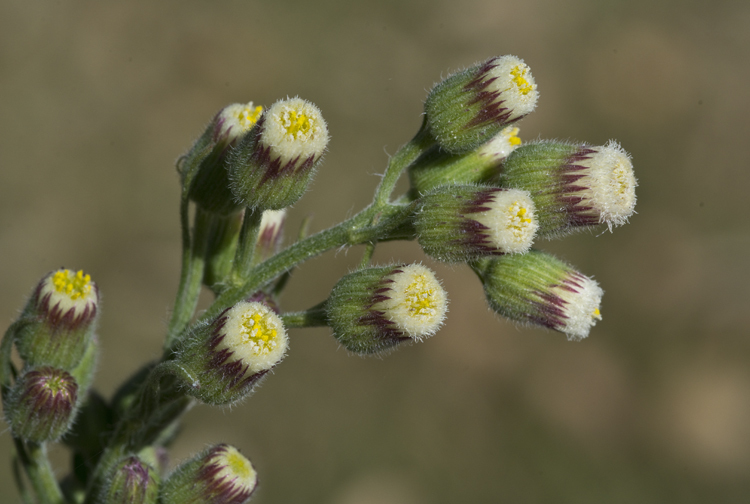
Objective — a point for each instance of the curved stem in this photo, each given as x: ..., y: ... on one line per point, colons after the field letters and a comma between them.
x: 371, y: 224
x: 33, y: 457
x: 405, y: 156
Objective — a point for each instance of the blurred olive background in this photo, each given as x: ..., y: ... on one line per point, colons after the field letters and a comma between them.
x: 98, y: 99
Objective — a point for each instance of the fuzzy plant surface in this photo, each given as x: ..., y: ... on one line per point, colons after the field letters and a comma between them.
x: 478, y: 195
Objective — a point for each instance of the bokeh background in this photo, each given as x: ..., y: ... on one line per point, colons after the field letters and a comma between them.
x: 98, y: 99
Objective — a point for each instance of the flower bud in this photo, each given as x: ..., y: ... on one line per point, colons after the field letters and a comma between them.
x: 219, y: 475
x: 61, y: 316
x: 210, y: 187
x: 539, y: 289
x: 437, y: 167
x: 573, y: 186
x: 270, y: 235
x: 41, y: 404
x: 457, y: 223
x: 222, y: 360
x: 470, y: 107
x: 272, y: 166
x: 132, y: 482
x: 374, y: 309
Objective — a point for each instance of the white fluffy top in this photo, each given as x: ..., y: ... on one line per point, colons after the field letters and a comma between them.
x: 237, y: 119
x: 256, y: 335
x: 235, y: 469
x: 417, y: 302
x: 582, y: 308
x: 612, y: 184
x: 294, y: 129
x: 512, y: 78
x: 511, y: 220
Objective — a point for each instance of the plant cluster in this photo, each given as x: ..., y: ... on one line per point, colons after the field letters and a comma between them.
x: 477, y: 196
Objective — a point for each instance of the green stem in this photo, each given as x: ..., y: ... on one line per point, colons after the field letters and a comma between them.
x: 33, y: 457
x: 191, y: 276
x: 405, y: 156
x: 313, y: 317
x: 243, y: 259
x: 371, y: 224
x: 26, y: 496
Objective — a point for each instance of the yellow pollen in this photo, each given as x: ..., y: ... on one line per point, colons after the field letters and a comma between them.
x: 238, y: 465
x: 248, y: 116
x: 597, y: 314
x: 518, y: 221
x: 258, y: 335
x: 620, y: 176
x: 514, y: 139
x: 419, y: 298
x: 298, y: 126
x: 74, y: 285
x: 518, y: 73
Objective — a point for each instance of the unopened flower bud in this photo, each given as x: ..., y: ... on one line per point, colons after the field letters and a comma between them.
x: 272, y: 166
x: 61, y: 316
x: 374, y: 309
x: 222, y: 360
x: 470, y: 107
x: 574, y: 186
x: 132, y: 482
x: 208, y: 157
x: 270, y: 235
x: 457, y: 223
x: 539, y: 289
x: 437, y: 167
x: 41, y: 404
x: 219, y: 475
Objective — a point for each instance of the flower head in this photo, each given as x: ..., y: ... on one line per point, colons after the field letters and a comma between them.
x: 539, y: 289
x: 574, y: 186
x: 206, y: 162
x: 132, y: 482
x: 374, y: 309
x: 462, y: 222
x: 272, y: 167
x: 226, y: 358
x: 471, y: 106
x: 61, y: 316
x: 270, y: 234
x: 234, y: 121
x: 41, y: 404
x: 219, y: 475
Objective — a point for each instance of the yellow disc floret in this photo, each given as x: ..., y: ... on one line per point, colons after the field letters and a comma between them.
x: 74, y: 285
x: 298, y: 125
x: 248, y: 115
x: 65, y: 289
x: 518, y: 72
x: 254, y: 334
x: 417, y: 302
x: 257, y: 334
